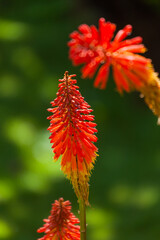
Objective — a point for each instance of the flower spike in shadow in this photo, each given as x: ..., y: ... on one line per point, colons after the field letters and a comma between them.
x: 61, y: 224
x: 73, y: 135
x: 98, y: 51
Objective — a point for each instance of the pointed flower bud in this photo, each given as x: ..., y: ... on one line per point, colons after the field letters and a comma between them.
x: 61, y: 224
x: 73, y: 135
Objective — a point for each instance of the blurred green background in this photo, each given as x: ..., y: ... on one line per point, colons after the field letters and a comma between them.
x: 125, y: 184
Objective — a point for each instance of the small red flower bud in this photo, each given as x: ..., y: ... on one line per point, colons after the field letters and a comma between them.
x: 61, y: 224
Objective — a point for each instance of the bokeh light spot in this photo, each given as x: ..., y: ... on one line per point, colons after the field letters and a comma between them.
x: 20, y: 131
x: 5, y: 229
x: 7, y: 190
x: 12, y: 31
x: 100, y: 224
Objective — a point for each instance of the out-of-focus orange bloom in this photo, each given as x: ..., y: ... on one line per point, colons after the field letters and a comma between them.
x: 61, y: 224
x: 97, y: 50
x: 72, y: 134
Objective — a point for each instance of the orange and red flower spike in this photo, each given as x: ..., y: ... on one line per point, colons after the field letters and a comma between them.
x: 73, y: 135
x: 96, y: 49
x: 61, y: 224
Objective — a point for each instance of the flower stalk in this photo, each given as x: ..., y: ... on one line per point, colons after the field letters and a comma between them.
x: 82, y: 209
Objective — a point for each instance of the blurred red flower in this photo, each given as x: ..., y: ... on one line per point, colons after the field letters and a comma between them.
x: 72, y: 134
x: 97, y: 51
x: 60, y: 225
x: 95, y: 48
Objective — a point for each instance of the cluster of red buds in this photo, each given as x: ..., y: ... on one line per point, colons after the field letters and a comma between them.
x: 73, y: 135
x: 61, y: 224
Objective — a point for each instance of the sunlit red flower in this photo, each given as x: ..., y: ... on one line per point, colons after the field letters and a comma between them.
x: 61, y: 224
x: 98, y: 51
x: 72, y: 134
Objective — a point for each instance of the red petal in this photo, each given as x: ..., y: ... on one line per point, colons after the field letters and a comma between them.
x: 84, y: 28
x: 123, y: 33
x: 133, y: 48
x: 120, y: 80
x: 102, y: 76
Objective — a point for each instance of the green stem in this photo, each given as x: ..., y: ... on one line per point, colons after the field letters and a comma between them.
x: 82, y: 209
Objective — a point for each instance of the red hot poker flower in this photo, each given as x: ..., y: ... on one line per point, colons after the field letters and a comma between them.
x: 97, y: 51
x: 95, y: 48
x: 72, y: 134
x: 60, y: 225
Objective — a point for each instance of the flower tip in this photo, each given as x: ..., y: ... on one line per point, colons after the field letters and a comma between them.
x: 158, y: 121
x: 102, y: 20
x: 40, y: 230
x: 141, y: 95
x: 84, y: 29
x: 61, y: 199
x: 144, y: 49
x: 128, y: 29
x: 49, y: 109
x: 66, y: 74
